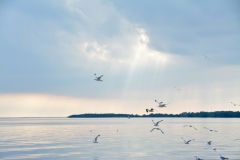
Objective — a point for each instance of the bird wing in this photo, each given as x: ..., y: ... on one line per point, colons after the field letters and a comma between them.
x: 153, y: 129
x: 206, y: 128
x: 159, y: 121
x: 161, y: 130
x: 157, y: 102
x: 185, y: 125
x: 190, y: 140
x: 99, y: 77
x: 96, y: 138
x: 194, y: 128
x: 183, y: 139
x: 146, y: 110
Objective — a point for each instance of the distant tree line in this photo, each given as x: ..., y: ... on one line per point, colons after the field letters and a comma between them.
x: 216, y: 114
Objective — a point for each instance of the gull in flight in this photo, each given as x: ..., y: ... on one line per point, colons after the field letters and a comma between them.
x: 95, y: 140
x: 210, y: 129
x: 206, y: 57
x: 234, y: 104
x: 98, y: 78
x: 157, y: 129
x: 222, y: 158
x: 178, y: 89
x: 150, y: 110
x: 187, y: 142
x: 156, y: 124
x: 161, y: 105
x: 198, y: 158
x: 190, y: 126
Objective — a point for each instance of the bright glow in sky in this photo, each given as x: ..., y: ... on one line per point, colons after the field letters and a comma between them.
x: 50, y: 51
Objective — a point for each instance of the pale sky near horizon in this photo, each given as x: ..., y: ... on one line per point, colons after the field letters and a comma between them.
x: 50, y: 51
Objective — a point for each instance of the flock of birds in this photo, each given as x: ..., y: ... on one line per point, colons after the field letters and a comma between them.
x: 161, y: 105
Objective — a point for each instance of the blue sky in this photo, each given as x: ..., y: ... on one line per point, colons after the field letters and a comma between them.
x: 50, y: 51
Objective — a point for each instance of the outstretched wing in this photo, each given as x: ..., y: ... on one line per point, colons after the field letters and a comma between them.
x: 190, y: 140
x: 99, y: 77
x: 159, y: 121
x: 161, y: 131
x: 194, y: 128
x: 153, y: 129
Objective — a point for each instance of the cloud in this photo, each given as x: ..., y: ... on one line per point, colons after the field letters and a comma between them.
x: 143, y: 52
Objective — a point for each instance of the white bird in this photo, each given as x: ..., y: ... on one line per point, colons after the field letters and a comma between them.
x: 234, y: 104
x: 98, y: 78
x: 161, y: 105
x: 157, y: 129
x: 178, y: 89
x: 210, y: 129
x: 95, y: 140
x: 222, y: 158
x: 187, y: 142
x: 156, y: 124
x: 190, y: 126
x: 198, y: 158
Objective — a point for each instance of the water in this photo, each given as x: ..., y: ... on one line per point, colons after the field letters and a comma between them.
x: 65, y: 138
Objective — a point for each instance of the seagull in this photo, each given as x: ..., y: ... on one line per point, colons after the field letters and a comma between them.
x: 187, y: 142
x: 150, y: 110
x: 198, y: 158
x: 222, y: 158
x: 156, y: 124
x: 95, y: 140
x: 209, y: 143
x: 98, y: 78
x: 206, y: 57
x: 190, y: 126
x: 178, y: 89
x: 157, y: 129
x: 161, y: 105
x: 210, y: 129
x: 234, y: 104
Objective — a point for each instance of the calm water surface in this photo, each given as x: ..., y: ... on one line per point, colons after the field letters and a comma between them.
x: 121, y: 138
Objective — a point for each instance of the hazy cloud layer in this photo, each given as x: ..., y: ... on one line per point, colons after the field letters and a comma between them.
x: 51, y: 49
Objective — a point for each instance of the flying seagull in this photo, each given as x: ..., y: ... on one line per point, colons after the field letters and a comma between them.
x: 210, y: 129
x: 161, y: 105
x: 222, y: 158
x: 234, y: 104
x: 156, y: 124
x: 150, y: 110
x: 206, y: 57
x: 95, y: 140
x: 187, y: 142
x: 190, y: 126
x: 157, y: 129
x: 98, y: 78
x: 178, y: 89
x: 198, y: 158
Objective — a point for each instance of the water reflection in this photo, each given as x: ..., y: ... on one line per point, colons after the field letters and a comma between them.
x: 121, y: 138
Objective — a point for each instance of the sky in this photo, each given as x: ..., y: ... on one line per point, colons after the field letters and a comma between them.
x: 50, y: 51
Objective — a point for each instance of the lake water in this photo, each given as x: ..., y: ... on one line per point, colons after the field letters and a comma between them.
x: 120, y: 138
